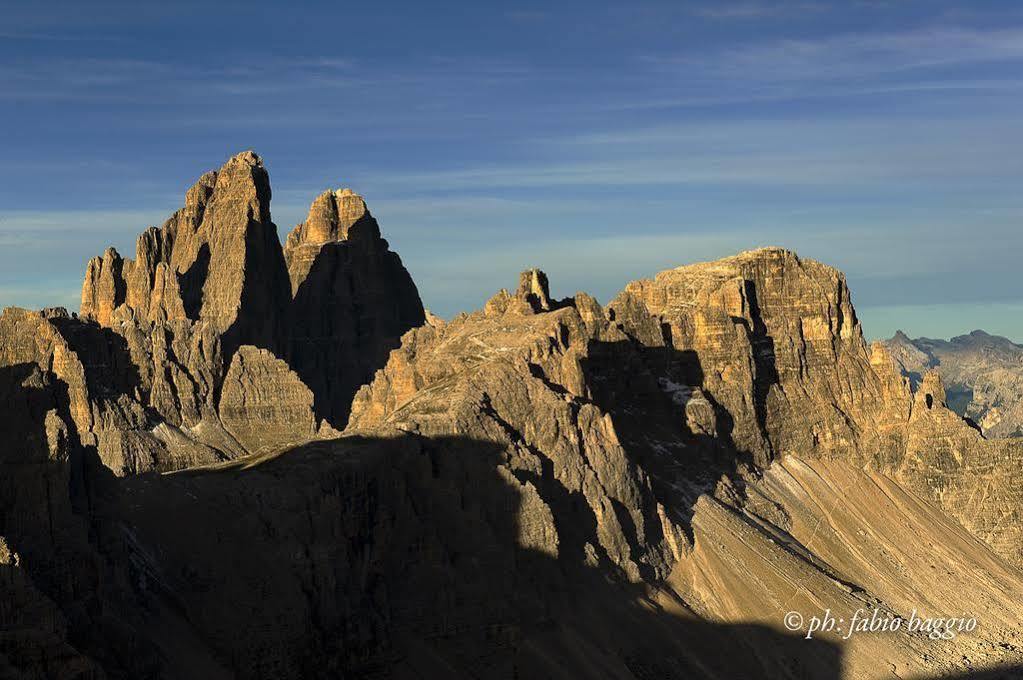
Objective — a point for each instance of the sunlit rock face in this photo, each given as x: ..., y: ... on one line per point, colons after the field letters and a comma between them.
x: 539, y: 488
x: 774, y: 340
x: 214, y: 278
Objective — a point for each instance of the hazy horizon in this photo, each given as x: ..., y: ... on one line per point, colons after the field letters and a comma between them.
x: 600, y: 144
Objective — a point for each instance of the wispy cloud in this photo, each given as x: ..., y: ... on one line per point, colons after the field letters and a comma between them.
x: 108, y: 78
x: 795, y: 151
x: 754, y: 93
x: 53, y: 37
x: 602, y: 145
x: 24, y: 222
x: 756, y: 10
x: 850, y: 55
x: 113, y: 78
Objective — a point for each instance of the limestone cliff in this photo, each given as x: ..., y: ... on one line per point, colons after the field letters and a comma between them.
x: 761, y: 355
x: 774, y: 341
x: 214, y: 279
x: 351, y: 301
x: 540, y: 488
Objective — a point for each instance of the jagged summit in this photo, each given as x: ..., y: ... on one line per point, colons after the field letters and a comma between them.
x: 248, y: 157
x: 534, y: 289
x: 214, y: 278
x: 765, y: 253
x: 203, y: 262
x: 539, y: 488
x: 332, y: 216
x: 532, y: 296
x: 335, y: 216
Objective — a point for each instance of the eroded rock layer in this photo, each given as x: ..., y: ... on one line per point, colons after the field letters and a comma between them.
x: 161, y: 333
x: 774, y: 340
x: 541, y: 488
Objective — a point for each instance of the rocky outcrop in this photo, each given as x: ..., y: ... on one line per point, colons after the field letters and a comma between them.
x: 946, y: 458
x: 264, y: 405
x: 331, y: 304
x: 351, y: 301
x: 217, y: 260
x: 977, y: 481
x: 523, y: 380
x: 759, y: 355
x: 179, y: 359
x: 335, y: 216
x: 774, y: 341
x: 60, y: 614
x: 541, y: 488
x: 983, y: 375
x: 103, y: 392
x: 210, y: 279
x: 520, y: 489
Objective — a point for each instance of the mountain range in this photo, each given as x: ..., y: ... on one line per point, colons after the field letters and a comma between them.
x: 243, y: 459
x: 983, y: 375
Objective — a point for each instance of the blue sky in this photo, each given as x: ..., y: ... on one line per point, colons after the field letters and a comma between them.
x: 601, y: 142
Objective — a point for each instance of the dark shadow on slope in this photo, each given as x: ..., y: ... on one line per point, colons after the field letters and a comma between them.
x: 262, y: 308
x: 403, y: 557
x: 763, y: 358
x: 679, y: 434
x: 191, y: 283
x: 362, y: 557
x: 109, y: 369
x: 54, y: 621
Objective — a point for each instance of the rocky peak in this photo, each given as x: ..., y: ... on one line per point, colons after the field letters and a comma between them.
x: 104, y: 288
x: 931, y: 392
x: 335, y: 216
x: 244, y: 179
x: 775, y: 341
x: 332, y: 215
x: 214, y: 278
x: 349, y: 287
x: 216, y: 259
x: 531, y: 297
x: 534, y: 290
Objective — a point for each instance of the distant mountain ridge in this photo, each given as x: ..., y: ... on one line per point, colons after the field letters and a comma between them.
x: 982, y: 373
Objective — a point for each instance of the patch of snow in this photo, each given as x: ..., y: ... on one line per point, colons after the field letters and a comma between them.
x: 680, y: 394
